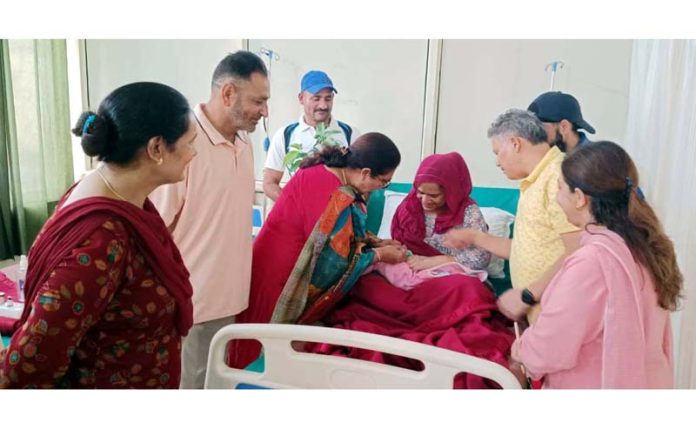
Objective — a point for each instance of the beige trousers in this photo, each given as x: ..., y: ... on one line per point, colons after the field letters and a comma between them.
x: 194, y: 351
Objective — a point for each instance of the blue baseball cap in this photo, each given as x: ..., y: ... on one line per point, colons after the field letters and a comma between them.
x: 316, y: 80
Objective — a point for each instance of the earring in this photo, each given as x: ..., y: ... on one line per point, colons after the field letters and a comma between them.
x: 160, y: 161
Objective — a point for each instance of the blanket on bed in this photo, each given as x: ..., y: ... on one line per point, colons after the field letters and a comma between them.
x: 456, y: 312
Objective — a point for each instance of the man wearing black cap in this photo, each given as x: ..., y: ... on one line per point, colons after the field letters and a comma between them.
x: 560, y: 113
x: 316, y: 97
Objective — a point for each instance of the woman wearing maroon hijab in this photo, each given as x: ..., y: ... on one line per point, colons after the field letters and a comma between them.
x: 439, y: 201
x: 108, y: 297
x: 456, y: 312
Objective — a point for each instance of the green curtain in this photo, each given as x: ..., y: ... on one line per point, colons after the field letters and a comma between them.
x: 9, y: 240
x: 35, y: 151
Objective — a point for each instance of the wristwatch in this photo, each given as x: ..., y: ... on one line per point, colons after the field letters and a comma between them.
x: 528, y: 297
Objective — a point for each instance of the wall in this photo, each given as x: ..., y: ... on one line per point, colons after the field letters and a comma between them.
x: 482, y: 78
x: 380, y: 83
x: 187, y: 65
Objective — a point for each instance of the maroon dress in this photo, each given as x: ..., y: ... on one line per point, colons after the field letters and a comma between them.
x: 108, y: 299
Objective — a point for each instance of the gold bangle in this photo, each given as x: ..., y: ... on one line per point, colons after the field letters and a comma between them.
x: 378, y: 256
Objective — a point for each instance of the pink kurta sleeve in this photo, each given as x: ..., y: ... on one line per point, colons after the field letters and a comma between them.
x: 572, y: 315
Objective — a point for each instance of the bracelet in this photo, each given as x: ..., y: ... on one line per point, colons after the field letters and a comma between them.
x: 378, y: 257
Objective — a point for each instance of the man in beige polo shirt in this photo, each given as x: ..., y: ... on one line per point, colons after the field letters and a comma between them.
x: 209, y: 212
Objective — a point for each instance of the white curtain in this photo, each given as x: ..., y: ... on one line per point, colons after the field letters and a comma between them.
x: 661, y: 138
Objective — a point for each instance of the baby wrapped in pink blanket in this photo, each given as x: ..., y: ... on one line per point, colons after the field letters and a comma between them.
x: 402, y: 276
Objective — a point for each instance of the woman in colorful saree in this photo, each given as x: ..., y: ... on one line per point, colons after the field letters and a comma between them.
x: 314, y: 244
x: 451, y: 310
x: 605, y: 316
x: 107, y: 294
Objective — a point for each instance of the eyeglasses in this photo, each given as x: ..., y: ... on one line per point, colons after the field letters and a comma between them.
x: 384, y: 182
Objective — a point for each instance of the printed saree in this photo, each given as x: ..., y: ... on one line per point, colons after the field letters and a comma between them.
x: 333, y: 258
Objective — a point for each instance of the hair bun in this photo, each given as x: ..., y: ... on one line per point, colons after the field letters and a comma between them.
x: 92, y: 128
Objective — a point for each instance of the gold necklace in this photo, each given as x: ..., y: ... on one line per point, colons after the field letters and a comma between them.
x: 343, y: 173
x: 108, y: 185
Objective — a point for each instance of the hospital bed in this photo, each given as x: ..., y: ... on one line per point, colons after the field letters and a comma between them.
x: 286, y: 367
x: 281, y: 366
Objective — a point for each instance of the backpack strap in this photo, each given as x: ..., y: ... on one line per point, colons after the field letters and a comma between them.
x: 287, y: 133
x: 347, y: 130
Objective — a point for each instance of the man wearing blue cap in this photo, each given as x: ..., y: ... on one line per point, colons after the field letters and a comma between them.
x: 316, y: 97
x: 560, y: 113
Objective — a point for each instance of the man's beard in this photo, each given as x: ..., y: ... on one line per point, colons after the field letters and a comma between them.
x: 242, y: 121
x: 558, y: 141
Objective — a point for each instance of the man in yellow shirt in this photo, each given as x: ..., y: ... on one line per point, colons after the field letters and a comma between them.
x: 543, y: 235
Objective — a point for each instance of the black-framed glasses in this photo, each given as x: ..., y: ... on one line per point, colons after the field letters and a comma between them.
x: 384, y: 182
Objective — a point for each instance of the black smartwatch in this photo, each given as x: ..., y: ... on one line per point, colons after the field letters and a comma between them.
x: 528, y: 297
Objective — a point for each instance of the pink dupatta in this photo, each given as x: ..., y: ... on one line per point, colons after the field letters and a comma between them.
x: 625, y: 353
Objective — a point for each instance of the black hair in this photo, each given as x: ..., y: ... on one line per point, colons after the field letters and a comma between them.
x: 129, y: 117
x: 239, y: 65
x: 371, y: 150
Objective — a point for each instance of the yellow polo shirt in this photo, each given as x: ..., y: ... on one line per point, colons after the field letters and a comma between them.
x: 540, y: 221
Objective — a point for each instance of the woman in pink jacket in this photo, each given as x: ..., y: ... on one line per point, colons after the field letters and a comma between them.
x: 605, y: 320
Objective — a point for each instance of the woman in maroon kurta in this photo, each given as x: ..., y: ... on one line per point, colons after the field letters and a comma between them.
x: 108, y: 296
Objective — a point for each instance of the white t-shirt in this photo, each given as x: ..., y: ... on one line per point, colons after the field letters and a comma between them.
x: 303, y: 134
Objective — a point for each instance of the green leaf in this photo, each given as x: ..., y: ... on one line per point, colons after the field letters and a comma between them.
x: 291, y: 157
x: 322, y: 135
x: 294, y: 165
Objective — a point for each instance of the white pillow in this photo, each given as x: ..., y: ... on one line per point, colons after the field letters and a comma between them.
x: 391, y: 202
x: 499, y: 222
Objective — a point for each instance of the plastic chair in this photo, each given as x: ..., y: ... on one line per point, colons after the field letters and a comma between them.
x: 287, y: 368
